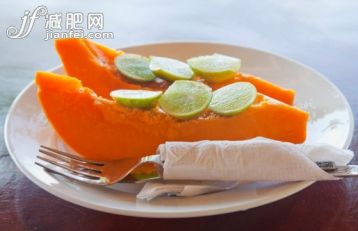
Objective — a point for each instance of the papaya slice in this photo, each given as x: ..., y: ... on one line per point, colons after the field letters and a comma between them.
x: 100, y: 129
x: 263, y: 86
x: 93, y: 63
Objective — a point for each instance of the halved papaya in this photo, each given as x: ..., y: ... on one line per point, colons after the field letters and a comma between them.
x: 94, y: 65
x: 100, y: 129
x: 262, y: 86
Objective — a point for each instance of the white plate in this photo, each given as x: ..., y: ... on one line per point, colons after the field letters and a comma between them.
x: 331, y: 122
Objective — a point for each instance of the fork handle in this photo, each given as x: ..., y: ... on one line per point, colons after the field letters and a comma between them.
x: 345, y: 171
x: 153, y: 159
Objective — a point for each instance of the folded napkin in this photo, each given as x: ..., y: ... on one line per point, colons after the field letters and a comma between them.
x: 183, y: 189
x: 258, y: 159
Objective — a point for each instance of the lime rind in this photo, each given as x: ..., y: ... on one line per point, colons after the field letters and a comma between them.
x: 185, y: 99
x: 170, y: 69
x: 216, y: 67
x: 144, y: 176
x: 134, y: 67
x: 233, y: 99
x: 135, y: 98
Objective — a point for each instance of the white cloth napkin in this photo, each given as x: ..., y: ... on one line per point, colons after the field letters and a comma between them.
x: 183, y: 189
x: 221, y: 164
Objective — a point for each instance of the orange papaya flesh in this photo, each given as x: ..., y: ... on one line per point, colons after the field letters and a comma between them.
x: 93, y: 64
x: 100, y: 129
x: 263, y: 86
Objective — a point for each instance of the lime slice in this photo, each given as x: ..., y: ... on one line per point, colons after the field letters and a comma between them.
x: 135, y: 98
x: 170, y: 69
x: 134, y: 67
x: 233, y: 99
x: 185, y: 99
x: 216, y: 67
x: 144, y: 176
x: 144, y: 172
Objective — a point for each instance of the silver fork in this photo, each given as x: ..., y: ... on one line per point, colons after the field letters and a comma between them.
x: 110, y: 172
x: 95, y: 172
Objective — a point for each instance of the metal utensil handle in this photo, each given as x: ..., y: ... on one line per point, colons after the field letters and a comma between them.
x: 338, y: 171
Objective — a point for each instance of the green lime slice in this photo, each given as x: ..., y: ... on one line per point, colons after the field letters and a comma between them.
x: 170, y: 69
x: 134, y: 67
x: 216, y: 67
x: 233, y: 99
x: 185, y: 99
x: 144, y: 176
x: 135, y: 98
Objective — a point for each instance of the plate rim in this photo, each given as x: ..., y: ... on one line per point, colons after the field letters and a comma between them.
x: 180, y: 214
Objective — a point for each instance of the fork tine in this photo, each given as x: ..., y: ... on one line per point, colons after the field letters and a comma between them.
x: 90, y: 167
x: 69, y: 174
x: 65, y: 165
x: 72, y: 156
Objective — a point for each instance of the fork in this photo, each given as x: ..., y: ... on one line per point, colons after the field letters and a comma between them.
x: 110, y: 172
x: 95, y: 172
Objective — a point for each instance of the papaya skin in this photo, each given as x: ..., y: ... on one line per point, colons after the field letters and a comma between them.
x: 93, y: 64
x: 99, y: 129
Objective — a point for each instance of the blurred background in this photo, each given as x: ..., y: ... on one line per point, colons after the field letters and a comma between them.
x: 318, y: 33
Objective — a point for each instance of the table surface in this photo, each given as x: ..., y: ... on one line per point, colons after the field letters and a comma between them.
x: 322, y: 34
